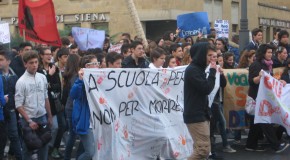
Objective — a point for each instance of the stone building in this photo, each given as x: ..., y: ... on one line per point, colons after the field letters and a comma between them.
x: 158, y: 16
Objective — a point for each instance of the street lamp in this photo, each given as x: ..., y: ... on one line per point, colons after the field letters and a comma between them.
x: 244, y: 32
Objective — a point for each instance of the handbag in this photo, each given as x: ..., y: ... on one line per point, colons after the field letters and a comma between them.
x: 250, y: 105
x: 36, y: 139
x: 56, y: 99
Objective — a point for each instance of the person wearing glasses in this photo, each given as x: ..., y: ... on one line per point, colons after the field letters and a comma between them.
x: 51, y: 73
x: 81, y: 112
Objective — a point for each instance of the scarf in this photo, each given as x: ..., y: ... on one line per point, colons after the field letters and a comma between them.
x: 269, y: 64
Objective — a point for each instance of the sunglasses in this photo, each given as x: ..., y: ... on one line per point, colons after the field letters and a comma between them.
x: 94, y: 63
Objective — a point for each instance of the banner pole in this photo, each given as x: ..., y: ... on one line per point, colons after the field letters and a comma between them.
x: 24, y: 35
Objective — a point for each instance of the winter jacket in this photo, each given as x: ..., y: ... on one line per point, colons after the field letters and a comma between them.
x: 18, y: 66
x: 254, y: 71
x: 9, y: 83
x: 277, y: 63
x: 54, y: 87
x: 129, y: 62
x: 252, y: 46
x: 286, y: 77
x: 81, y: 110
x: 196, y: 86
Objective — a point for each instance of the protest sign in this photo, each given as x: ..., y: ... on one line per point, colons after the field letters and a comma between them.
x: 222, y: 28
x: 272, y: 103
x: 87, y: 38
x: 4, y: 33
x: 116, y: 48
x: 235, y: 95
x: 192, y: 24
x: 137, y: 113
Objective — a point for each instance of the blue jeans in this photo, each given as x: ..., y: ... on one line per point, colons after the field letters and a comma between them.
x: 218, y: 116
x: 54, y: 130
x: 43, y: 152
x: 89, y: 145
x: 71, y: 137
x: 61, y: 129
x: 15, y: 143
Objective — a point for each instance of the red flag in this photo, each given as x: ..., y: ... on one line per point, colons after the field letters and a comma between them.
x: 37, y: 19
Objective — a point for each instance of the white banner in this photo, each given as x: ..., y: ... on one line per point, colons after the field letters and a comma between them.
x: 222, y: 28
x: 4, y: 33
x: 272, y: 103
x: 216, y: 86
x: 137, y: 113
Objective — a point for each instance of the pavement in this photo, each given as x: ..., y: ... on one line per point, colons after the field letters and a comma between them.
x: 241, y: 153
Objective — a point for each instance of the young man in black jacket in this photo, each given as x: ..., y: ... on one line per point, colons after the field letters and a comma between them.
x: 196, y: 90
x: 136, y: 59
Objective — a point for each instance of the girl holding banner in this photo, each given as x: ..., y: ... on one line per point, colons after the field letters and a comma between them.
x: 263, y: 62
x: 81, y: 111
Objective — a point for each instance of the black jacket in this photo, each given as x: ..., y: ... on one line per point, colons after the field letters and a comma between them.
x: 277, y: 63
x: 18, y: 66
x: 286, y: 77
x: 9, y: 84
x: 197, y: 87
x: 54, y: 85
x: 129, y: 62
x: 254, y: 71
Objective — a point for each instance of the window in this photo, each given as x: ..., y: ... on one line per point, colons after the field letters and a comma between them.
x: 234, y: 28
x: 69, y: 26
x: 101, y: 26
x: 3, y: 1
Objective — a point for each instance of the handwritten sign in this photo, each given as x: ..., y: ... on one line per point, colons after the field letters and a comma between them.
x: 272, y: 103
x: 192, y: 24
x: 87, y: 38
x: 137, y: 113
x: 116, y: 48
x: 235, y: 96
x: 4, y: 33
x: 222, y: 28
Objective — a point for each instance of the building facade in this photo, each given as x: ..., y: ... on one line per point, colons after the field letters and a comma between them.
x: 157, y: 16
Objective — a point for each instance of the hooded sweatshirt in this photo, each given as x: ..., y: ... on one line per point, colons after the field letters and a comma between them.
x: 196, y: 86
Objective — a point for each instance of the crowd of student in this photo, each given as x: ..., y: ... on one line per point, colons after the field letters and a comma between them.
x: 43, y: 85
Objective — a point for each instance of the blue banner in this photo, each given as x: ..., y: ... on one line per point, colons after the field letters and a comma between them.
x: 87, y: 38
x: 192, y: 24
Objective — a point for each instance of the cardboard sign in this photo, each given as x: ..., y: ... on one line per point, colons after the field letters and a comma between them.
x: 192, y: 24
x: 222, y: 28
x: 4, y: 33
x: 87, y: 38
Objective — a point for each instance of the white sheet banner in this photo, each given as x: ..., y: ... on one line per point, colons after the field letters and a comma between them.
x: 272, y: 103
x: 137, y: 113
x: 216, y: 86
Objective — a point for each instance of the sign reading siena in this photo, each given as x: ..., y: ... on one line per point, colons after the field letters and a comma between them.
x: 69, y: 18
